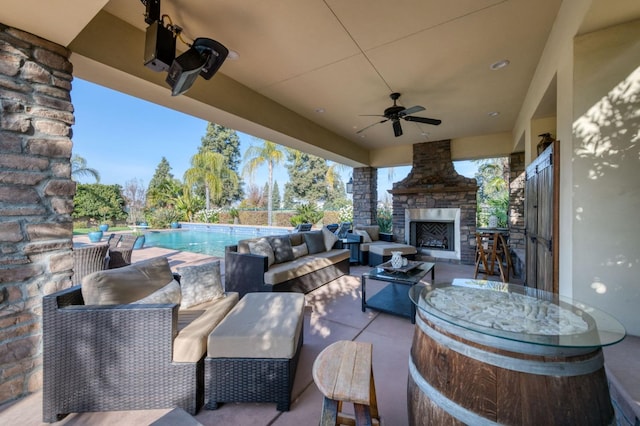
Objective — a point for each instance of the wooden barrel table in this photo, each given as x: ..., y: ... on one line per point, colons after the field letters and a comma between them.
x: 466, y: 373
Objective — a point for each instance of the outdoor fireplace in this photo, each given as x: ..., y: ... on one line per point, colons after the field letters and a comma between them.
x: 434, y: 232
x: 434, y: 208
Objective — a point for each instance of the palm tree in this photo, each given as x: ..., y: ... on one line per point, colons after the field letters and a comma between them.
x: 209, y: 168
x: 79, y: 169
x: 272, y: 155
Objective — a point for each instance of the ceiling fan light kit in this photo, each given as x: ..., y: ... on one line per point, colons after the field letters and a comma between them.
x: 395, y: 113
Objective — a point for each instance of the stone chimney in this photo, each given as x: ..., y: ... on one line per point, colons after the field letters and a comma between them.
x: 433, y: 184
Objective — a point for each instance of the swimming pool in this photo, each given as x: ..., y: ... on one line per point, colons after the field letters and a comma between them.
x: 210, y: 240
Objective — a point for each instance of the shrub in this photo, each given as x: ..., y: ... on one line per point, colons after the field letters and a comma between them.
x: 385, y: 219
x: 306, y: 213
x: 163, y: 216
x: 208, y: 216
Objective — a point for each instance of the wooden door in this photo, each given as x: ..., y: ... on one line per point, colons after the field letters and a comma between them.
x: 541, y: 220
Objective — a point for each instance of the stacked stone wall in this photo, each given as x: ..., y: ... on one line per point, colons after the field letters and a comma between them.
x: 365, y: 196
x: 517, y: 242
x: 36, y: 198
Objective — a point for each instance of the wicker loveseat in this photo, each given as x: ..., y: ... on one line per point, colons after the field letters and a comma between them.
x: 298, y: 262
x: 128, y: 348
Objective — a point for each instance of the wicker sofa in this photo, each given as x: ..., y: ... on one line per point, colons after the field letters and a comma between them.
x: 298, y: 262
x: 119, y: 342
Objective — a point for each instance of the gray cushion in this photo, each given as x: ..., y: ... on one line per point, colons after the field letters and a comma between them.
x: 262, y: 247
x: 200, y: 283
x: 127, y: 284
x: 300, y: 250
x: 282, y: 250
x: 372, y: 230
x: 329, y: 238
x: 364, y: 234
x: 315, y: 241
x: 170, y: 293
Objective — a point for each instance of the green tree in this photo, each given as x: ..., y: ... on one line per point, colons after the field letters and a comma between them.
x: 271, y: 155
x: 493, y: 191
x: 208, y: 169
x: 307, y: 179
x: 225, y: 141
x: 163, y: 186
x: 96, y: 202
x: 276, y: 201
x: 80, y: 169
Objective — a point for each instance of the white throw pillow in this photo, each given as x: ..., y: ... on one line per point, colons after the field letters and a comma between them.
x: 329, y: 238
x: 262, y: 247
x: 170, y: 293
x: 365, y: 235
x: 300, y: 250
x: 200, y: 283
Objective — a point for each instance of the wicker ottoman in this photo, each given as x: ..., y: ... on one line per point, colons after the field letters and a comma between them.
x: 253, y: 353
x: 380, y: 253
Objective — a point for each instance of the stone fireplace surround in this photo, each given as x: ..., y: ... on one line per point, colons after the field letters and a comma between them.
x: 433, y: 183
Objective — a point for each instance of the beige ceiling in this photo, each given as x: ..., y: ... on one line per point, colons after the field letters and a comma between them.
x: 343, y: 57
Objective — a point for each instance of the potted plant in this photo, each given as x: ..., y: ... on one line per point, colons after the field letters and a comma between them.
x: 95, y: 235
x: 140, y: 241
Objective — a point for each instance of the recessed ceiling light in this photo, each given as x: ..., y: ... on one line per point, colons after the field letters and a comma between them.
x: 319, y: 110
x: 493, y: 114
x: 500, y: 64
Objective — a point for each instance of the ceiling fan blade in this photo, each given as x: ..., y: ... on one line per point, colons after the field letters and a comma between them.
x: 397, y: 128
x: 411, y: 110
x: 432, y: 121
x: 371, y: 125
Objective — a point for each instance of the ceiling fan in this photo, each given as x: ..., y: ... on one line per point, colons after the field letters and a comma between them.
x: 396, y: 112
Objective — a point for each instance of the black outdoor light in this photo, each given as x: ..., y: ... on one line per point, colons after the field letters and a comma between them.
x: 203, y: 58
x: 350, y: 185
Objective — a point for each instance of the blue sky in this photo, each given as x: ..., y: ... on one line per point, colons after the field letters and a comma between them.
x: 125, y: 138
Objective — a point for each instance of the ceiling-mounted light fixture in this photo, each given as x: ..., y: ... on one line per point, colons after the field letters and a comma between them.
x: 203, y: 58
x: 500, y: 64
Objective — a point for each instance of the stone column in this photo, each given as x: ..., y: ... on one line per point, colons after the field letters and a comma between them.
x: 36, y: 198
x: 365, y: 196
x: 517, y: 243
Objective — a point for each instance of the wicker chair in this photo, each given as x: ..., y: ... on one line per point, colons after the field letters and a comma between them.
x: 113, y: 358
x: 89, y: 259
x: 113, y: 240
x: 121, y: 255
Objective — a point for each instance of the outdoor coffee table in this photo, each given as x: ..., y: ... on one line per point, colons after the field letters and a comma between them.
x: 394, y: 298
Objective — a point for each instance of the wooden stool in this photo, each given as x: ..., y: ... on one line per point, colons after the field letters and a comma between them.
x: 492, y: 250
x: 343, y: 372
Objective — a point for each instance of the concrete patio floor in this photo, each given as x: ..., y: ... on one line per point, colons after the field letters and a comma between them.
x: 333, y: 313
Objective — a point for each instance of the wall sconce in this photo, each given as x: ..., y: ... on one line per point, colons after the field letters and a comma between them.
x: 350, y: 186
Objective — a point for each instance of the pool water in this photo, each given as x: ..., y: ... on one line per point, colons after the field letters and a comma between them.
x: 211, y: 243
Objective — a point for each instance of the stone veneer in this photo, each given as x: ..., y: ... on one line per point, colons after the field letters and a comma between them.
x: 365, y: 196
x: 36, y: 198
x: 434, y: 183
x: 517, y: 241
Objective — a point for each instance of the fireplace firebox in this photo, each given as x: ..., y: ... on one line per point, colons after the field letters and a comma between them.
x: 434, y: 232
x: 432, y: 235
